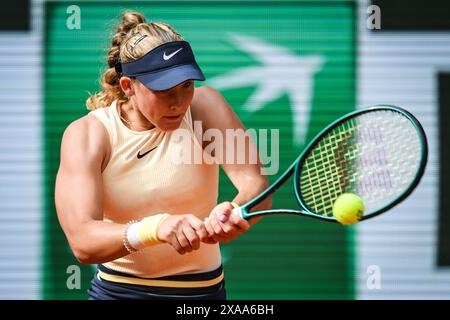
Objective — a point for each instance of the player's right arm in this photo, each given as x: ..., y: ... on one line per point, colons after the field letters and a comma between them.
x: 79, y: 195
x: 85, y: 150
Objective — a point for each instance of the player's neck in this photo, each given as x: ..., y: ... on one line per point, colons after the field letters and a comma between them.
x: 133, y: 118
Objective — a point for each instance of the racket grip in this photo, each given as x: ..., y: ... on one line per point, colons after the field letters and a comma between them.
x: 237, y: 210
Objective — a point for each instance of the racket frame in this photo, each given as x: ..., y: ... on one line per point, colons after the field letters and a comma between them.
x: 295, y: 167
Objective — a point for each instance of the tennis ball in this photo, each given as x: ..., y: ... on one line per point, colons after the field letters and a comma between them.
x: 348, y: 208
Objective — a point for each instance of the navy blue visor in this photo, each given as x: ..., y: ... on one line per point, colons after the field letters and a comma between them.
x: 165, y: 67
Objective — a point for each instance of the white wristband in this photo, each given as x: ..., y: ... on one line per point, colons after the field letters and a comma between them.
x: 133, y: 236
x: 144, y: 233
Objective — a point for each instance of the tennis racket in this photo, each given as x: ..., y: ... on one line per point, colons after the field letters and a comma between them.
x: 378, y: 153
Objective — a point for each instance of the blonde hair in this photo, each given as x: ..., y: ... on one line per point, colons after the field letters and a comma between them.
x: 134, y: 37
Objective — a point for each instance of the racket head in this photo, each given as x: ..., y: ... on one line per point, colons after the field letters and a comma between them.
x: 378, y: 153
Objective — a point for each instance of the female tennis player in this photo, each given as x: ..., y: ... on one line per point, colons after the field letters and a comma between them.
x: 152, y: 226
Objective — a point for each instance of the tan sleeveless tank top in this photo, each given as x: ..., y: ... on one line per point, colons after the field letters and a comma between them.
x: 137, y: 187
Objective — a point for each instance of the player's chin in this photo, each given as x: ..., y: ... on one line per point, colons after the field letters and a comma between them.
x: 170, y: 124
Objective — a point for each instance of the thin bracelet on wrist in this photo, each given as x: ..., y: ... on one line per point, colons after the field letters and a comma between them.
x: 126, y: 243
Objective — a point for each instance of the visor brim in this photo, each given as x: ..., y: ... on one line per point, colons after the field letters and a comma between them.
x: 169, y: 78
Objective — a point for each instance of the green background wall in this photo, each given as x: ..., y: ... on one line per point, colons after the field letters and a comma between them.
x: 281, y: 257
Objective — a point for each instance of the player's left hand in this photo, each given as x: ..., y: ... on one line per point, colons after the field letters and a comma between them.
x: 223, y: 226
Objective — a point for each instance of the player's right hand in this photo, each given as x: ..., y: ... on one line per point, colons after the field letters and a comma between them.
x: 183, y: 232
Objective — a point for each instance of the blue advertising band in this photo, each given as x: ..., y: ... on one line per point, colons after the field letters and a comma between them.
x: 165, y: 66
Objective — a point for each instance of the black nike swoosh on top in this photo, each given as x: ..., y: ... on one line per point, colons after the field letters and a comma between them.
x: 140, y: 156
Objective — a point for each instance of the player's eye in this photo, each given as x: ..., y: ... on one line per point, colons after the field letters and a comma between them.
x: 187, y: 84
x: 184, y: 86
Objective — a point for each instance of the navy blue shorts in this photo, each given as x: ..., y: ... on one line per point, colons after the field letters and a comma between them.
x: 177, y: 287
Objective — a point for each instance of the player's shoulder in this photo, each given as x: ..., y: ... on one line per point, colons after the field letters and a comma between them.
x: 205, y: 92
x: 205, y: 97
x: 86, y: 135
x: 207, y: 103
x: 85, y: 127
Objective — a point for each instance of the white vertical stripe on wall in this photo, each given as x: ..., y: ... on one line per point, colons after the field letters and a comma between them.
x: 401, y: 68
x: 20, y: 160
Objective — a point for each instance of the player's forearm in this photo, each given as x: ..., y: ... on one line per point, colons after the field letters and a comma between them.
x: 249, y: 191
x: 98, y: 242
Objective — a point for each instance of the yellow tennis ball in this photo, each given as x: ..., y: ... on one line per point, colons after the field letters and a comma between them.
x: 348, y: 208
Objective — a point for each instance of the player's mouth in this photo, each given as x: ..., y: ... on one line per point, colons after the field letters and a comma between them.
x: 173, y: 118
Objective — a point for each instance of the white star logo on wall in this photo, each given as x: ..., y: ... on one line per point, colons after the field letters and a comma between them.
x: 281, y: 71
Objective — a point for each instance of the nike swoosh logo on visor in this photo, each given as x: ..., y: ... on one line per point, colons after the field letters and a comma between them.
x: 165, y: 57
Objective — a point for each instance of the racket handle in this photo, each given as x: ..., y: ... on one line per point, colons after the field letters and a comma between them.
x: 237, y: 210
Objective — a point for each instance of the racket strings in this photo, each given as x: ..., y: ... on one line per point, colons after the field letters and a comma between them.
x: 327, y: 170
x: 390, y: 161
x: 375, y: 155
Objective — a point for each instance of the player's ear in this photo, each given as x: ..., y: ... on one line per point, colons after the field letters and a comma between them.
x: 126, y: 84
